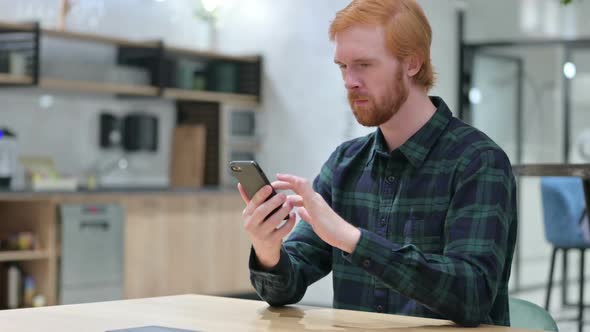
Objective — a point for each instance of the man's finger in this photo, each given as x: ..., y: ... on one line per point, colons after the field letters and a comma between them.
x: 304, y: 214
x: 264, y: 209
x: 245, y: 197
x: 300, y: 185
x: 270, y: 224
x: 258, y: 199
x: 295, y: 200
x: 286, y: 229
x: 281, y: 185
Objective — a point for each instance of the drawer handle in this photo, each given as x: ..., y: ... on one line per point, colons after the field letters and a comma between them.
x: 100, y: 225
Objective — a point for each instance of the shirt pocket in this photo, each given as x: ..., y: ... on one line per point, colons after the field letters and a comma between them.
x: 425, y: 231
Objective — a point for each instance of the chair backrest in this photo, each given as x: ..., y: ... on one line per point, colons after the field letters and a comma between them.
x: 563, y: 205
x: 527, y: 315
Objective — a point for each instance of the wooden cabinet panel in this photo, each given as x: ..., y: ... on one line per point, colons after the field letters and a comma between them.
x: 188, y: 244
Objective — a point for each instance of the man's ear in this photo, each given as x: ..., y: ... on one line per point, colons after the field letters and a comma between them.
x: 414, y: 64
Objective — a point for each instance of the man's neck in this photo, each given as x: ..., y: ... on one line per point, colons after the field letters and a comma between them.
x: 412, y: 116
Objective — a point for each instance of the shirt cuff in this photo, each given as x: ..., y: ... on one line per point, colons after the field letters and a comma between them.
x: 281, y: 269
x: 373, y: 252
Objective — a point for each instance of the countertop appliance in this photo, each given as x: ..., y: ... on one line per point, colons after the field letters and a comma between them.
x: 8, y: 156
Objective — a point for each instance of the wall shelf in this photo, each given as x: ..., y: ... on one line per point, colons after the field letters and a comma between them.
x: 220, y: 97
x: 99, y: 87
x: 223, y: 78
x: 24, y: 255
x: 15, y: 79
x: 17, y: 26
x: 132, y: 90
x: 98, y: 39
x: 211, y: 55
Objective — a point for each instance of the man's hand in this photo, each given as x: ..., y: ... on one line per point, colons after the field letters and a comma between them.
x: 266, y: 238
x: 312, y: 207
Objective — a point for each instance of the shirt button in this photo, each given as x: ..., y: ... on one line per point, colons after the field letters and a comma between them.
x: 379, y: 308
x: 390, y: 179
x: 367, y: 263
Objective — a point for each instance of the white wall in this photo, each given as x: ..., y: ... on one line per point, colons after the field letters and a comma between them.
x: 68, y: 132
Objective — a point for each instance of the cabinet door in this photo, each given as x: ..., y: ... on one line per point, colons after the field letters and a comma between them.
x: 178, y: 244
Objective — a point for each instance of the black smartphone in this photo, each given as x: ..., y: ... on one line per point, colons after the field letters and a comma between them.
x: 252, y: 179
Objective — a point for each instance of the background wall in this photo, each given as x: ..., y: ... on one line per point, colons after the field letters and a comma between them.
x: 304, y: 112
x: 303, y: 94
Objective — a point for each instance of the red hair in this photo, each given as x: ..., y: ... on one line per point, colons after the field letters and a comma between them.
x: 407, y: 31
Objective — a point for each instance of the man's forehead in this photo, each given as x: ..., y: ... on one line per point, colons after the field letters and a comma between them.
x: 359, y: 44
x: 359, y: 33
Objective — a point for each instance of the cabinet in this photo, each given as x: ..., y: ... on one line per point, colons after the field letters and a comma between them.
x: 37, y: 217
x: 196, y: 244
x: 174, y: 242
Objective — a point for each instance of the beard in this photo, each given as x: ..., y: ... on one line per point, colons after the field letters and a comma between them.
x: 376, y: 112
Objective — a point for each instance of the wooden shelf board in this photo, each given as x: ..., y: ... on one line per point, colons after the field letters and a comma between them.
x: 99, y: 87
x: 23, y: 255
x: 126, y: 42
x: 129, y: 89
x: 208, y: 54
x: 98, y: 38
x: 230, y: 98
x: 17, y: 26
x: 15, y: 79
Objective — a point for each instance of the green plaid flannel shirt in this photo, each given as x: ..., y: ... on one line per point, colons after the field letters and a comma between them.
x: 438, y: 228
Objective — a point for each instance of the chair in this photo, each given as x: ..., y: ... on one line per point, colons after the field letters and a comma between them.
x: 527, y: 315
x: 563, y: 214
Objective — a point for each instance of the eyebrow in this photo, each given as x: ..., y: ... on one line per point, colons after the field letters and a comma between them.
x: 361, y: 60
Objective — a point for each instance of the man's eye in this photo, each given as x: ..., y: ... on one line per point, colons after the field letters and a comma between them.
x: 342, y: 66
x: 365, y: 65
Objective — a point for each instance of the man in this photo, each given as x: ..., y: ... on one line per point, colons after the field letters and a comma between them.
x: 417, y: 218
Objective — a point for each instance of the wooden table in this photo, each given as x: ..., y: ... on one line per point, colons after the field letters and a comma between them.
x: 206, y: 313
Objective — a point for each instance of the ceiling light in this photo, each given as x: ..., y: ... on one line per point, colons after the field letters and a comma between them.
x: 474, y: 96
x: 569, y: 70
x: 211, y: 5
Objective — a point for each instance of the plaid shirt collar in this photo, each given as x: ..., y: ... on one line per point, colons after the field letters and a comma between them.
x: 417, y: 147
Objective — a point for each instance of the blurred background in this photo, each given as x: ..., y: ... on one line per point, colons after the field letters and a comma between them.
x: 118, y: 118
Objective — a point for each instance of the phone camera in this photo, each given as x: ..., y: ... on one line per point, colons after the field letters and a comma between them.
x: 236, y: 168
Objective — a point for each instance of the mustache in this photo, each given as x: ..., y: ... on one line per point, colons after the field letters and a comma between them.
x: 356, y: 96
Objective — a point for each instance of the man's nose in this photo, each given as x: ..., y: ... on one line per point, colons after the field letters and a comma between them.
x: 351, y: 81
